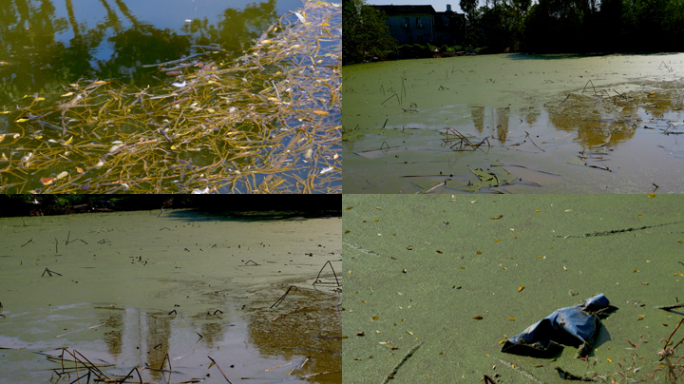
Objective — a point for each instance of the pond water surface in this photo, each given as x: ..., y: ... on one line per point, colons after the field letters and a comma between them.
x: 127, y: 290
x: 515, y: 123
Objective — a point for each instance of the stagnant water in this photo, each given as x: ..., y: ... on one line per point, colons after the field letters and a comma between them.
x: 128, y: 289
x: 515, y: 123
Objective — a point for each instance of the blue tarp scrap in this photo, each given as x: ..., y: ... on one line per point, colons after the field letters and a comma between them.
x: 575, y: 326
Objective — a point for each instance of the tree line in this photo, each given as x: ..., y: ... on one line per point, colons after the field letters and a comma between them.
x: 547, y: 26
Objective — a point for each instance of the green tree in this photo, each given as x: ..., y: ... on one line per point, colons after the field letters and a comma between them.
x: 365, y: 32
x: 469, y: 7
x: 557, y: 26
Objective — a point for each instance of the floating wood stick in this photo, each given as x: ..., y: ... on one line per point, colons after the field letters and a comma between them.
x: 528, y: 136
x: 130, y: 374
x: 279, y: 301
x: 396, y: 367
x: 394, y: 95
x: 592, y: 85
x: 217, y: 366
x: 49, y: 272
x: 668, y: 307
x: 254, y: 263
x: 67, y: 240
x: 93, y: 365
x: 279, y: 366
x: 305, y: 361
x: 218, y: 310
x: 56, y: 249
x: 334, y: 274
x: 30, y: 241
x: 166, y: 358
x: 318, y: 374
x: 565, y: 375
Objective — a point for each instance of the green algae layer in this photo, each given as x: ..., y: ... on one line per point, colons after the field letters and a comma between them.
x: 435, y: 284
x: 170, y: 290
x: 515, y: 123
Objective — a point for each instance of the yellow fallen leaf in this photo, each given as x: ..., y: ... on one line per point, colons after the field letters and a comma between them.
x: 173, y: 147
x: 69, y: 141
x: 511, y: 319
x: 321, y: 113
x: 68, y: 94
x: 21, y: 120
x: 520, y: 288
x: 39, y: 99
x: 80, y: 170
x: 609, y: 360
x: 651, y: 195
x: 39, y: 137
x: 47, y: 180
x: 62, y: 175
x: 5, y: 112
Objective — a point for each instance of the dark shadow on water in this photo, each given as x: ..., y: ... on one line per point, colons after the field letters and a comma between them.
x: 527, y: 56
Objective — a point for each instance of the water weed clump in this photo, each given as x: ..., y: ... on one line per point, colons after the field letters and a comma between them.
x: 266, y: 122
x: 637, y: 369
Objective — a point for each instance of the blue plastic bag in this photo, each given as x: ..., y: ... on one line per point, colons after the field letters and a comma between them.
x: 575, y: 326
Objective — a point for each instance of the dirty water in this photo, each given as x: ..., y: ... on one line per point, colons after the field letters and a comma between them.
x: 435, y: 285
x: 167, y: 292
x: 554, y: 123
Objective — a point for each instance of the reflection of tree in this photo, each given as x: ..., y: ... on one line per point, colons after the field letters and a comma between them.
x: 596, y: 121
x: 159, y: 328
x: 306, y: 325
x: 502, y: 118
x: 478, y: 118
x: 211, y: 329
x: 236, y: 27
x: 113, y: 338
x: 39, y: 62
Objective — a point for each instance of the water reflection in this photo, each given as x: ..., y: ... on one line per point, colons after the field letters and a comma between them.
x: 592, y: 123
x: 36, y: 55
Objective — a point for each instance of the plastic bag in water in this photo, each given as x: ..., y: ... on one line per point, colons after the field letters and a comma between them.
x: 575, y: 326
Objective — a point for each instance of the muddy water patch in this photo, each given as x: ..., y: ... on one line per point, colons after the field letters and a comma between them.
x: 163, y: 292
x: 539, y: 112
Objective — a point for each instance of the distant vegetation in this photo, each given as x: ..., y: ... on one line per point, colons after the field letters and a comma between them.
x: 43, y: 205
x: 548, y: 26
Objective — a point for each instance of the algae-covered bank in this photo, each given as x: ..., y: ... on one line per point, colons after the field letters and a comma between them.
x: 515, y: 123
x: 436, y: 285
x: 170, y: 296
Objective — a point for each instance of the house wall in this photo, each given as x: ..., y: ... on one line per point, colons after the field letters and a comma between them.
x: 418, y: 29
